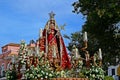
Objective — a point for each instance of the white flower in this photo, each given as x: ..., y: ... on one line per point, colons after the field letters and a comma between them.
x: 35, y: 77
x: 36, y: 68
x: 57, y: 73
x: 42, y: 72
x: 50, y: 75
x: 46, y: 77
x: 8, y: 76
x: 31, y: 75
x: 46, y: 73
x: 96, y: 70
x: 93, y: 75
x: 38, y: 75
x: 22, y: 61
x: 51, y: 71
x: 65, y: 76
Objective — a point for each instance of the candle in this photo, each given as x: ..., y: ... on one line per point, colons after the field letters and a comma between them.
x: 41, y: 33
x: 13, y: 59
x: 100, y: 53
x: 54, y: 52
x: 85, y: 36
x: 37, y: 50
x: 76, y: 52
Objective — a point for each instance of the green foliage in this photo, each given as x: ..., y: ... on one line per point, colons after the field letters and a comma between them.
x: 81, y: 75
x: 100, y: 7
x: 108, y: 78
x: 75, y: 39
x: 11, y: 75
x: 102, y: 19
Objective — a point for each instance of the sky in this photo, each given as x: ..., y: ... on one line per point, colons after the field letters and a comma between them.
x: 22, y: 19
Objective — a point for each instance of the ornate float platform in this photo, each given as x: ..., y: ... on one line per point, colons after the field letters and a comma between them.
x: 69, y: 79
x: 48, y: 59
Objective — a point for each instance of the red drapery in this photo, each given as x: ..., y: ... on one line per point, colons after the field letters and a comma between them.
x: 55, y: 40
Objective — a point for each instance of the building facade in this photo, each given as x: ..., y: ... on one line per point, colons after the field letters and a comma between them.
x: 9, y: 52
x: 114, y: 71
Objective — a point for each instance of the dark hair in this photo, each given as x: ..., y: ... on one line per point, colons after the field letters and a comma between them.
x: 52, y: 22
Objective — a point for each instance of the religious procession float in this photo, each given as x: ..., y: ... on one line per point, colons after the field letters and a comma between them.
x: 49, y: 59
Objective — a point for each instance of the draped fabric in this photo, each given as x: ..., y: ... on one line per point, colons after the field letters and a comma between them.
x: 54, y: 45
x: 65, y: 59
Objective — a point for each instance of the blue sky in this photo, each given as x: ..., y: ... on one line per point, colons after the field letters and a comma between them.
x: 22, y: 19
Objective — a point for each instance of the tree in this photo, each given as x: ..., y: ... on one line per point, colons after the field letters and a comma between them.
x: 102, y: 19
x: 76, y: 38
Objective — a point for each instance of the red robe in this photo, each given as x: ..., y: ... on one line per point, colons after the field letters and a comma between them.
x: 55, y: 43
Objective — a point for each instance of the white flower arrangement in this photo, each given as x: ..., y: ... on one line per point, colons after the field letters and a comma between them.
x: 95, y: 73
x: 41, y: 71
x: 44, y: 71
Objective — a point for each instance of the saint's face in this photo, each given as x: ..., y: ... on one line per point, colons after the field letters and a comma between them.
x: 52, y: 26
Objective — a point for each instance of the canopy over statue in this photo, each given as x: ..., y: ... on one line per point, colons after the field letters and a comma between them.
x: 51, y: 43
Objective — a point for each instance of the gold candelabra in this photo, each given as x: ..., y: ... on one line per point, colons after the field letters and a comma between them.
x: 87, y: 55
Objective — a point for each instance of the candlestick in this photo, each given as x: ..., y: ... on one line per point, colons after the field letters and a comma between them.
x: 100, y: 53
x: 41, y: 33
x: 85, y: 37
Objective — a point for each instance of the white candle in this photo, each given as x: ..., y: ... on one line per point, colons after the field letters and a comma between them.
x: 13, y: 59
x: 100, y: 53
x: 41, y: 33
x: 54, y: 52
x: 85, y: 36
x: 76, y: 52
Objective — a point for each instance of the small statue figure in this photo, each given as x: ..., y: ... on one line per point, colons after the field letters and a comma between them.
x: 75, y: 52
x: 87, y: 59
x: 95, y: 57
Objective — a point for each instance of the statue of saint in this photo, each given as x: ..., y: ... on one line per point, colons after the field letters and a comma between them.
x: 52, y: 42
x: 54, y: 45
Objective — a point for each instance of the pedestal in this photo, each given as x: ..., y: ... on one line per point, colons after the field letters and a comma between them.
x: 69, y: 79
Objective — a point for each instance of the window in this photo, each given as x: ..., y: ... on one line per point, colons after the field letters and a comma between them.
x: 113, y: 71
